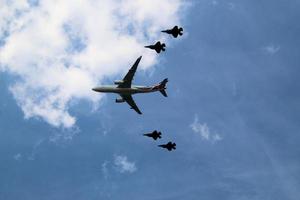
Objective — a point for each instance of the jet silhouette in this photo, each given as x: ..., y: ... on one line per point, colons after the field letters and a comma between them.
x: 170, y: 146
x: 175, y: 31
x: 158, y: 47
x: 154, y: 135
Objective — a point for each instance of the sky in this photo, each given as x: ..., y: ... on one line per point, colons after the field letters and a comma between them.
x: 233, y: 103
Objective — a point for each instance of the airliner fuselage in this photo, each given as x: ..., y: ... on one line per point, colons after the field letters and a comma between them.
x: 133, y: 90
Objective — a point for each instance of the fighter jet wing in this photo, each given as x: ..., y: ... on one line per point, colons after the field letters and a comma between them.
x: 157, y: 50
x: 130, y: 101
x: 129, y: 76
x: 175, y: 34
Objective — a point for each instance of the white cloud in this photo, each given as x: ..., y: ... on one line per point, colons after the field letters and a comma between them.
x: 271, y: 49
x: 123, y: 165
x: 231, y: 6
x: 18, y: 157
x: 64, y: 135
x: 35, y: 149
x: 214, y: 3
x: 105, y: 170
x: 59, y: 50
x: 204, y: 131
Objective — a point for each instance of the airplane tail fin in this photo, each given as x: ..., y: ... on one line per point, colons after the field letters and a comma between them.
x: 163, y: 46
x: 162, y: 87
x: 159, y: 134
x: 163, y: 83
x: 174, y: 146
x: 163, y: 92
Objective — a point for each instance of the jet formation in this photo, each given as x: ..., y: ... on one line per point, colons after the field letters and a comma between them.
x: 157, y: 134
x: 126, y: 89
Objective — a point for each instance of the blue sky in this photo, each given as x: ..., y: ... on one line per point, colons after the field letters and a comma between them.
x: 234, y: 75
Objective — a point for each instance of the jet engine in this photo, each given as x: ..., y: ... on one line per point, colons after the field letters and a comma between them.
x: 117, y: 82
x: 120, y: 100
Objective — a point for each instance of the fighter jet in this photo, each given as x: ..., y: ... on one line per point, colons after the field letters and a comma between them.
x: 170, y: 146
x: 154, y: 135
x: 125, y: 89
x: 158, y: 47
x: 175, y: 31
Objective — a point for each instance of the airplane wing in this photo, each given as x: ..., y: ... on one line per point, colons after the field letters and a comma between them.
x: 130, y: 101
x: 129, y: 76
x: 175, y: 34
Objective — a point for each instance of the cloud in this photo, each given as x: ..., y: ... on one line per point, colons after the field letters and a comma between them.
x: 105, y: 169
x: 204, y: 131
x: 231, y: 6
x: 64, y: 135
x: 214, y: 3
x: 59, y: 50
x: 35, y: 149
x: 271, y: 49
x: 18, y: 157
x: 123, y: 165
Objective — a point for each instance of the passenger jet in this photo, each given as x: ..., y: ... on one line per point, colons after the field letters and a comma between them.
x: 126, y: 90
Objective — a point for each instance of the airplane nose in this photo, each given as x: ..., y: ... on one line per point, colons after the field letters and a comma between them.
x: 94, y: 89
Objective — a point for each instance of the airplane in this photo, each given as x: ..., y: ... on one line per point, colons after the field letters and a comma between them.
x: 158, y: 47
x: 154, y: 135
x: 170, y: 146
x: 175, y: 31
x: 125, y: 89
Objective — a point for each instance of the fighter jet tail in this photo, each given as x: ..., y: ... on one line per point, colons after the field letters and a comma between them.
x: 159, y: 135
x: 174, y: 146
